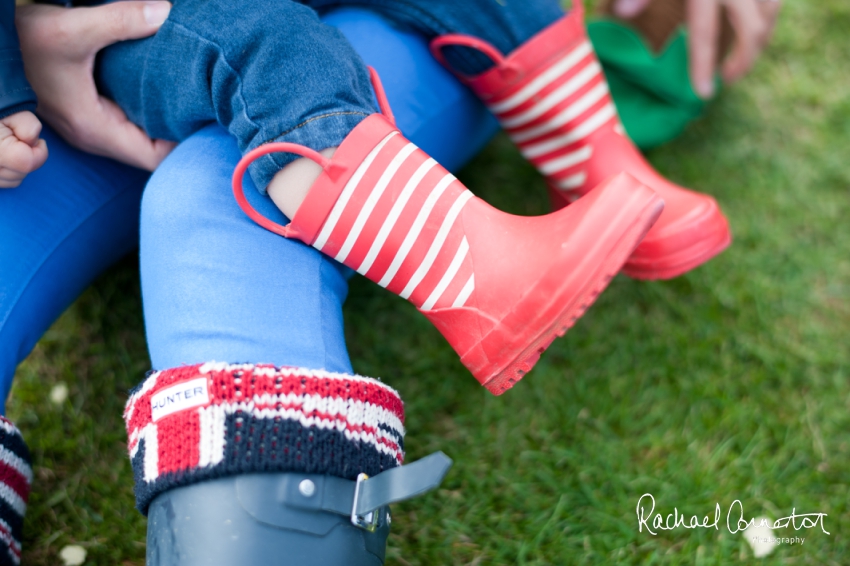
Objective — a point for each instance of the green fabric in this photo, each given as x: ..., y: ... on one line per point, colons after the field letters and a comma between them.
x: 653, y: 93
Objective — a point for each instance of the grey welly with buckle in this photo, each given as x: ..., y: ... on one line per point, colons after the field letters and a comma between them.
x: 284, y: 518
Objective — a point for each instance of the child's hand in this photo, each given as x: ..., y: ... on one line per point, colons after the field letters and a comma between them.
x: 21, y: 150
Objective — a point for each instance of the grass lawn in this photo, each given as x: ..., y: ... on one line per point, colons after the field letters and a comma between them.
x: 728, y: 383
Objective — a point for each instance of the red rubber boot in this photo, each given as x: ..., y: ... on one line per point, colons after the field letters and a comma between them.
x: 552, y: 99
x: 499, y: 287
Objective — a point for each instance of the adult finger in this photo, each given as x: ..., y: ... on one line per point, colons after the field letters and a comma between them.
x: 629, y: 8
x: 750, y: 32
x: 118, y: 138
x: 770, y: 12
x: 703, y: 38
x: 95, y: 28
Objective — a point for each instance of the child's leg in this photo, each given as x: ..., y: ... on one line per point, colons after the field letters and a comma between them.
x: 276, y: 73
x: 505, y: 23
x: 424, y: 95
x: 499, y: 287
x: 551, y: 97
x: 265, y: 71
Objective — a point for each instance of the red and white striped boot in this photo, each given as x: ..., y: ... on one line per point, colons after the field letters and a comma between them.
x: 499, y: 287
x: 552, y: 99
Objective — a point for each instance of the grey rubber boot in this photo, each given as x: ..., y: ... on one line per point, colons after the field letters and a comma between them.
x: 284, y: 519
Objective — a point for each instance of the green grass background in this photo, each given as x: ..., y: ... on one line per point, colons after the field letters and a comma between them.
x: 728, y: 383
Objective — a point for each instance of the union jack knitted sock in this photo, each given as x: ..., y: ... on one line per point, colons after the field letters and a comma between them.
x: 195, y: 423
x: 15, y: 482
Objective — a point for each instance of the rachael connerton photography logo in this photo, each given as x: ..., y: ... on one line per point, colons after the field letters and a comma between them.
x: 735, y: 521
x: 776, y: 540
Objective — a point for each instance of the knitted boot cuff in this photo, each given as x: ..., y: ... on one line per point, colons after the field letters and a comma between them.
x: 15, y: 482
x: 195, y: 423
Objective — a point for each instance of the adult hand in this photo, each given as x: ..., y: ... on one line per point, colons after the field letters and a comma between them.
x: 752, y: 21
x: 59, y: 47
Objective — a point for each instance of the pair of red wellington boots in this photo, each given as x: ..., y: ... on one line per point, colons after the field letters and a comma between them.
x: 500, y: 287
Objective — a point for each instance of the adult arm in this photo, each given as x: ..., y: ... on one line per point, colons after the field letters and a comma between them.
x: 59, y: 47
x: 15, y: 92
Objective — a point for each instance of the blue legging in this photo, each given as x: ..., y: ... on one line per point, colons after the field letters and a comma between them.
x: 215, y: 286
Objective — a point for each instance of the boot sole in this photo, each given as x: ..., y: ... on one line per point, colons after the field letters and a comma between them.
x: 680, y: 263
x: 566, y: 317
x: 653, y: 267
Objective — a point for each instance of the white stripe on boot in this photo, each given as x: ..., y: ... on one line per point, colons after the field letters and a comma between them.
x: 397, y: 219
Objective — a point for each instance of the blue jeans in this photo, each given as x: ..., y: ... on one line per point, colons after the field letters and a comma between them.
x: 272, y: 71
x: 66, y: 223
x: 211, y: 279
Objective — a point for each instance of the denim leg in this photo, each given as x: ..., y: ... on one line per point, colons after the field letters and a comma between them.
x: 266, y: 71
x: 507, y: 24
x: 431, y: 107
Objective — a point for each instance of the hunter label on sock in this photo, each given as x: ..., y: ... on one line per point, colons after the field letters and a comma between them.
x: 178, y: 397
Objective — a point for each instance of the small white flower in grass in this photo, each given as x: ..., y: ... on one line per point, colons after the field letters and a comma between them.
x: 73, y: 555
x: 760, y: 537
x: 59, y: 393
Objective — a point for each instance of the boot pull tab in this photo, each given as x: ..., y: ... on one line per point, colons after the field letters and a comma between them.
x: 506, y: 68
x: 383, y: 103
x: 329, y: 167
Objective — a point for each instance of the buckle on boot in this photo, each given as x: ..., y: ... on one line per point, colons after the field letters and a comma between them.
x: 395, y: 484
x: 368, y: 521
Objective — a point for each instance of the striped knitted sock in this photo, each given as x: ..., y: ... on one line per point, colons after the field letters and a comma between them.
x: 194, y: 423
x: 15, y: 482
